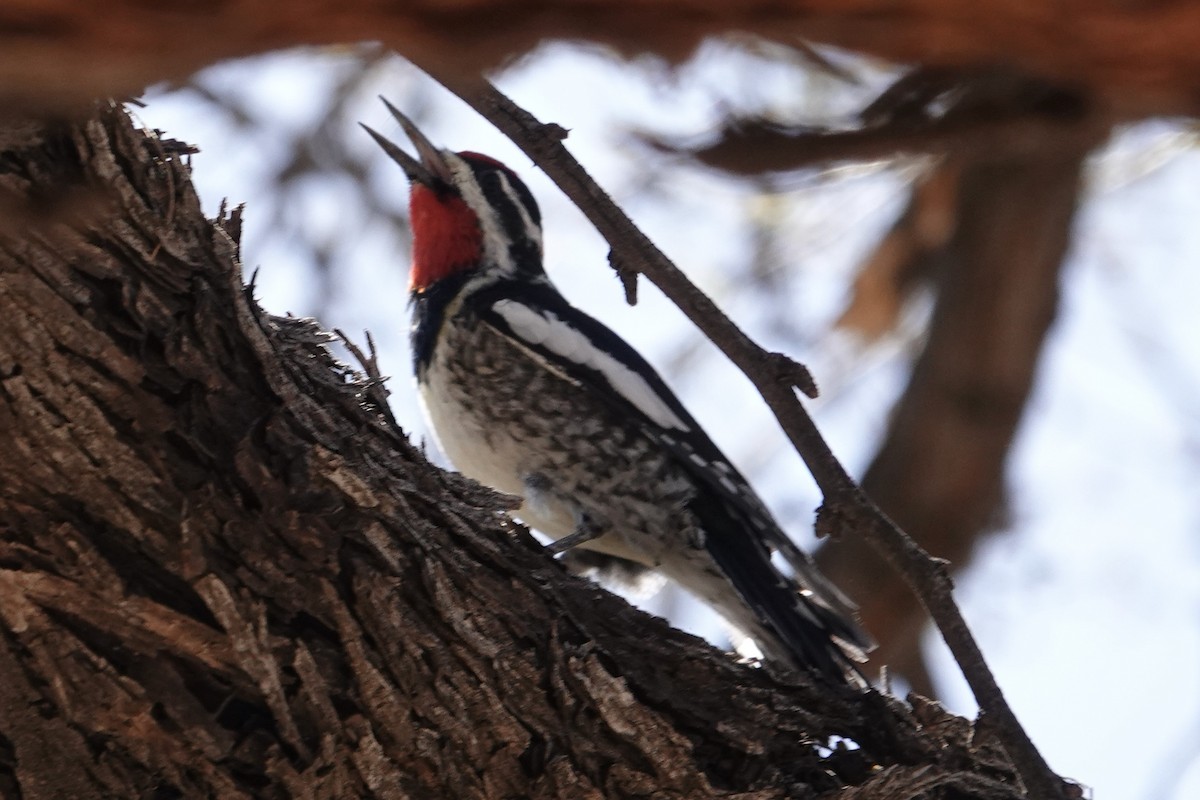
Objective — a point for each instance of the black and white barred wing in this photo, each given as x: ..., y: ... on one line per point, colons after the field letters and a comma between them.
x: 803, y: 611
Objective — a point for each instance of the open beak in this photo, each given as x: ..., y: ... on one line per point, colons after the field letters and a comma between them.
x: 431, y: 169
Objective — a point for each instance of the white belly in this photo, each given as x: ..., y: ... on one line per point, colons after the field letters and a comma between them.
x: 486, y: 453
x: 463, y: 437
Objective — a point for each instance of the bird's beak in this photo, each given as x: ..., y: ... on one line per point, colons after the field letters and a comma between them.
x: 431, y: 169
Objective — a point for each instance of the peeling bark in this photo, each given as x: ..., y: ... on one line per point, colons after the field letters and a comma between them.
x: 224, y: 573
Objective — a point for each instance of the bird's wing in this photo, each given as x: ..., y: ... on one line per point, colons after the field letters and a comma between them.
x: 740, y: 532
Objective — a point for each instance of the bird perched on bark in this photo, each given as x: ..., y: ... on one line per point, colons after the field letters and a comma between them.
x: 533, y: 397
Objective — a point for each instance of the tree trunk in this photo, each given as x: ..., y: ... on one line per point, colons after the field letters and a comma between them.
x: 940, y: 469
x: 225, y: 573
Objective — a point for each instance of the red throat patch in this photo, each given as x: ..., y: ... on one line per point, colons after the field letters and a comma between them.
x: 446, y: 237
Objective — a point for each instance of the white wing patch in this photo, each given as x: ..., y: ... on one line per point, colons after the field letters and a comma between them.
x: 547, y: 330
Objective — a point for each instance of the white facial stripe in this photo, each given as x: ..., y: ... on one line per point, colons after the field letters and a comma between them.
x: 548, y: 331
x: 532, y: 230
x: 494, y: 240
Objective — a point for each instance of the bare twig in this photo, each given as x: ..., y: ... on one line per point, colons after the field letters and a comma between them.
x: 845, y: 506
x: 374, y: 389
x: 628, y: 277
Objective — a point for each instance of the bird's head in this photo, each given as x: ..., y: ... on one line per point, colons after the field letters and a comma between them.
x: 469, y: 213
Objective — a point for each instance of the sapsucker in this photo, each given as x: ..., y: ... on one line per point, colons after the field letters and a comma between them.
x: 531, y: 396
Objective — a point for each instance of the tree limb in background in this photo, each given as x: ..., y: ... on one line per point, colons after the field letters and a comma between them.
x: 224, y: 573
x: 1141, y: 57
x: 1001, y: 227
x: 901, y: 262
x: 940, y: 470
x: 846, y: 509
x: 980, y: 114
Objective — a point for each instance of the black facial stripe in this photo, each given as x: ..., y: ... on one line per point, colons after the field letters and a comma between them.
x: 489, y: 177
x: 490, y: 181
x: 518, y: 186
x: 428, y: 313
x: 526, y: 197
x: 508, y: 197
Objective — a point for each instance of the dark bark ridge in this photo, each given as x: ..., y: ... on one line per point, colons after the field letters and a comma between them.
x: 224, y: 573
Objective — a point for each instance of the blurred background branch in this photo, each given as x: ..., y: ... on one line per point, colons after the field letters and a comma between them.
x: 1141, y: 57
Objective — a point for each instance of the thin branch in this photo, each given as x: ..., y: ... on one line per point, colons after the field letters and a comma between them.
x: 845, y: 506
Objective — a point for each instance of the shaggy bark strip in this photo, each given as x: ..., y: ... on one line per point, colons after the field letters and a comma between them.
x: 223, y: 573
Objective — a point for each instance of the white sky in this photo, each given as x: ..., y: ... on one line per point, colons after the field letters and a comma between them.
x: 1088, y: 609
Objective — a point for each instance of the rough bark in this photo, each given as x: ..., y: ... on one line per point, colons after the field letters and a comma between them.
x: 1141, y: 57
x: 224, y: 573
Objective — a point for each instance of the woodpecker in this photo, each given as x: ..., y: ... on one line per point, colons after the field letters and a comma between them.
x: 531, y: 396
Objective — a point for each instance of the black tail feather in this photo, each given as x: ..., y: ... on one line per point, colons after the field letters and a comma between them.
x: 807, y: 630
